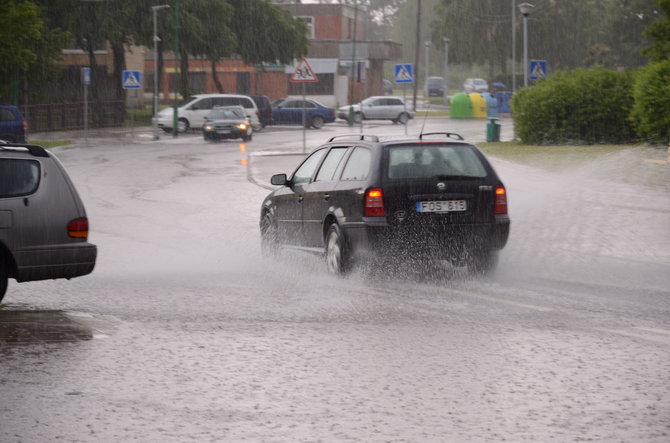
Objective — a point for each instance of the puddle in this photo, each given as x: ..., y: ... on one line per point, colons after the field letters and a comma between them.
x: 31, y: 326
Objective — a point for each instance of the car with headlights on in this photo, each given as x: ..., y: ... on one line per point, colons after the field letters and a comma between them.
x: 356, y: 198
x: 378, y: 108
x: 43, y: 223
x: 227, y: 122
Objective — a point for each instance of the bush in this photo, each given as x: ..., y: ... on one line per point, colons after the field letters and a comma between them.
x: 651, y: 111
x: 580, y: 106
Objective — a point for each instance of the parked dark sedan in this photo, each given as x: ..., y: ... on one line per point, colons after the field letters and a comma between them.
x: 289, y: 111
x: 356, y: 197
x: 13, y: 127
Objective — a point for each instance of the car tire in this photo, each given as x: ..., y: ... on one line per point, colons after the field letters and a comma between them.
x: 182, y: 125
x: 358, y: 117
x: 317, y: 122
x: 482, y: 262
x: 4, y: 276
x: 167, y: 130
x: 338, y: 261
x: 269, y: 237
x: 403, y: 118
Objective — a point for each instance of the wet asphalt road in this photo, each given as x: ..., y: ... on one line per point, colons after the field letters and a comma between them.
x: 184, y: 333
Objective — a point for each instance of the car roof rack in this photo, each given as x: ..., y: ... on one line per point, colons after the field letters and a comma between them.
x: 34, y: 150
x: 446, y: 134
x: 373, y: 138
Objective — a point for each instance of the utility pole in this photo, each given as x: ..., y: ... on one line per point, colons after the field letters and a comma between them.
x: 417, y: 51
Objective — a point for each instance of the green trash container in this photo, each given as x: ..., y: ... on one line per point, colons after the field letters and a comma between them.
x: 493, y: 130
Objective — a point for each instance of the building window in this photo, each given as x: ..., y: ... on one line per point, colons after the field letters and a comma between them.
x: 310, y: 25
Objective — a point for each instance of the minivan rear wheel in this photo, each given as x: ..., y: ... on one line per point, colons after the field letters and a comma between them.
x: 337, y: 254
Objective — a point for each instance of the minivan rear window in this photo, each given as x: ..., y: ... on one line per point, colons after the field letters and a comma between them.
x: 18, y: 177
x: 432, y: 160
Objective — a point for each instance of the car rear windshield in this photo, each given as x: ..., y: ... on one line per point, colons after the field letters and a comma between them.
x: 434, y: 160
x: 18, y: 177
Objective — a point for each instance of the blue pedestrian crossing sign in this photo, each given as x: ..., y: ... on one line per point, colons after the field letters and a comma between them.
x: 537, y: 69
x: 131, y: 80
x: 404, y: 73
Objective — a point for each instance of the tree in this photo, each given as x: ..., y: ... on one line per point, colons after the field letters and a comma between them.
x: 659, y: 30
x: 29, y: 48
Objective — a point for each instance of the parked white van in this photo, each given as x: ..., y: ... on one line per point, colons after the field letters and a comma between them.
x: 191, y: 112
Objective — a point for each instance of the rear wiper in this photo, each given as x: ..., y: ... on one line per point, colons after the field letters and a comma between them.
x: 455, y: 177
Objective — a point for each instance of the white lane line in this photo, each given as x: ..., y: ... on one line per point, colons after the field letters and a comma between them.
x: 500, y: 300
x: 627, y: 333
x: 654, y: 330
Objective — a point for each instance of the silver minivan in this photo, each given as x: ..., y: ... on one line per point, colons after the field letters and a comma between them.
x: 191, y: 112
x: 43, y: 223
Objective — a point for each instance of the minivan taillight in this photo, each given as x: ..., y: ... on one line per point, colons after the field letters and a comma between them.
x: 501, y: 201
x: 78, y: 228
x: 374, y: 203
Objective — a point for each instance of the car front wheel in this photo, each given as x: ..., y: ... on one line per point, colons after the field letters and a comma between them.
x: 403, y: 118
x: 182, y: 125
x: 4, y: 275
x: 317, y: 122
x: 269, y: 240
x: 337, y: 254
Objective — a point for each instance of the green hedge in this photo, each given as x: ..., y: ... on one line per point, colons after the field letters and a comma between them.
x: 581, y: 106
x: 651, y: 111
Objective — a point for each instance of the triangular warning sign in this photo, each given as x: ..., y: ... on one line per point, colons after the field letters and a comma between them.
x: 403, y: 75
x: 131, y: 80
x: 303, y: 73
x: 537, y: 71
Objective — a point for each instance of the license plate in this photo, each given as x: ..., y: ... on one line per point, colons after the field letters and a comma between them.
x: 222, y: 131
x: 441, y: 206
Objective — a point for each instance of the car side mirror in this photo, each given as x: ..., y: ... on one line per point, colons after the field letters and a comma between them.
x: 279, y: 180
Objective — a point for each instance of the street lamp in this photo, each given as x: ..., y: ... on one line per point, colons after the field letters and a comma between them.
x: 446, y: 67
x: 525, y: 9
x: 155, y: 10
x: 427, y: 43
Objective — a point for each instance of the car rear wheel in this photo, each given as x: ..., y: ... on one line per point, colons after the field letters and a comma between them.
x: 482, y: 262
x: 317, y: 122
x: 4, y: 275
x: 182, y: 125
x: 269, y: 240
x: 337, y: 255
x: 403, y: 118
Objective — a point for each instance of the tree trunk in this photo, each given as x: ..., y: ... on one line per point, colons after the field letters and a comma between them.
x: 119, y: 66
x: 215, y: 77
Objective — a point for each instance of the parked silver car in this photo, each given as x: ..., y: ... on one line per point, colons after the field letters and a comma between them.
x: 379, y: 108
x: 43, y: 223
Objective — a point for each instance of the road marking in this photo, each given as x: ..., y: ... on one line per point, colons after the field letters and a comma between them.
x: 656, y: 338
x: 499, y: 300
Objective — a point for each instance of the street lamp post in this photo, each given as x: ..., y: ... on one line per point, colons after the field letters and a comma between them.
x: 155, y: 10
x: 446, y: 67
x: 525, y: 9
x: 427, y: 43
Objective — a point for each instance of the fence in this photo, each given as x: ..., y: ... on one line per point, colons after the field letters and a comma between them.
x: 67, y: 116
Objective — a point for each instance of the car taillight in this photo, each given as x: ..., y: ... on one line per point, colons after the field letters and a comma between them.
x: 374, y: 203
x: 25, y: 125
x: 501, y: 201
x: 78, y: 228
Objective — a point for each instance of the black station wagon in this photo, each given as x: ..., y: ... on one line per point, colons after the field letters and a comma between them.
x: 356, y: 197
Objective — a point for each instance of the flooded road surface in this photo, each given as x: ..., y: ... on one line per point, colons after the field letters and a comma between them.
x: 184, y: 333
